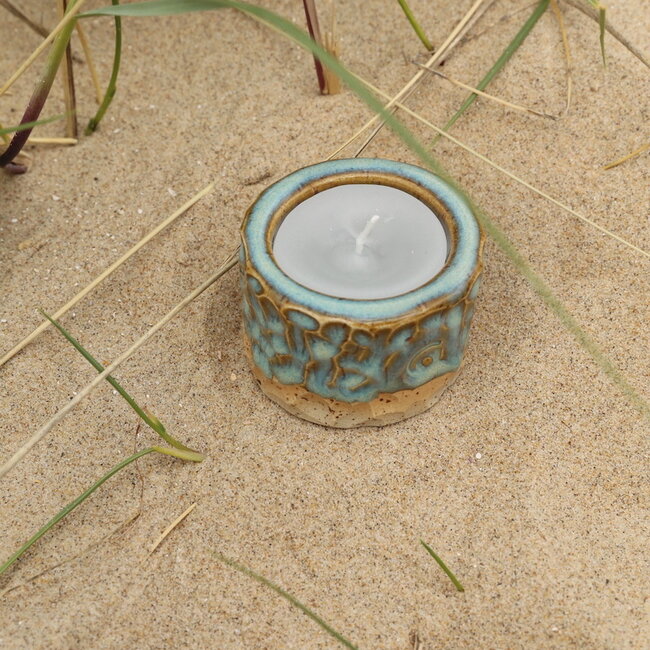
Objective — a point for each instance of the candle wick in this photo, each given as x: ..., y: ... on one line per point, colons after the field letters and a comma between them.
x: 362, y: 237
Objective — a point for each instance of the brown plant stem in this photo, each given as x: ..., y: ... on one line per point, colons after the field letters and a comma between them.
x: 314, y: 32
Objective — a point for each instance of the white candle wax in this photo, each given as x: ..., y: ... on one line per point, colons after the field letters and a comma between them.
x: 361, y: 241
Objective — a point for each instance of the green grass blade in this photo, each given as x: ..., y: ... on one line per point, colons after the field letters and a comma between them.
x: 71, y: 506
x: 160, y: 8
x: 287, y: 596
x: 299, y: 36
x: 112, y: 84
x: 506, y: 55
x: 151, y: 420
x: 443, y: 566
x: 29, y: 125
x: 417, y: 28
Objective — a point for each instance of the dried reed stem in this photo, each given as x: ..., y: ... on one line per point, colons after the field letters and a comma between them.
x: 500, y: 20
x: 498, y: 100
x: 498, y: 167
x: 451, y: 40
x: 634, y: 154
x: 102, y: 276
x: 42, y: 432
x: 171, y: 527
x: 88, y: 55
x: 37, y: 140
x: 331, y: 45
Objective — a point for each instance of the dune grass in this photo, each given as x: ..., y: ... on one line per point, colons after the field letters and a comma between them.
x: 177, y: 449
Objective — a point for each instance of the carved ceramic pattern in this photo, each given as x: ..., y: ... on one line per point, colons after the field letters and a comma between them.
x: 353, y: 363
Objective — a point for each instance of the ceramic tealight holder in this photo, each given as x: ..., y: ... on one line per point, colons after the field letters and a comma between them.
x: 356, y: 350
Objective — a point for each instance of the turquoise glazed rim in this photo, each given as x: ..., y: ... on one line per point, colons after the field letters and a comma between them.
x: 448, y: 286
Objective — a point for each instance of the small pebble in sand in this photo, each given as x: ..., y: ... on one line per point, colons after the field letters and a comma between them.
x: 55, y: 197
x: 171, y: 191
x: 233, y: 376
x: 479, y: 456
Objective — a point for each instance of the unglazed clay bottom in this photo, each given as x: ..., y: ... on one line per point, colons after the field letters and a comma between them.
x: 344, y: 362
x: 386, y: 408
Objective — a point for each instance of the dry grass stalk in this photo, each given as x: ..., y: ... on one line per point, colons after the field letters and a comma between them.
x: 48, y: 39
x: 100, y: 542
x: 464, y: 24
x: 88, y: 55
x: 102, y: 276
x: 67, y: 74
x: 11, y: 8
x: 44, y: 430
x: 508, y: 173
x: 498, y: 100
x: 588, y: 10
x: 634, y: 154
x: 567, y: 53
x: 500, y: 20
x: 171, y: 527
x: 37, y: 140
x: 328, y: 82
x: 331, y: 44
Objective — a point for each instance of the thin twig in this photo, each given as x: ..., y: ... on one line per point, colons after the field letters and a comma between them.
x: 102, y: 276
x: 11, y: 8
x: 498, y: 100
x: 40, y: 434
x: 581, y: 5
x: 88, y: 55
x: 68, y: 83
x: 412, y: 83
x: 70, y: 16
x: 634, y: 154
x: 567, y: 53
x: 171, y: 527
x: 508, y: 173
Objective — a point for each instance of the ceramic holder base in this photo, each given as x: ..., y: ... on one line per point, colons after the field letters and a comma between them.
x: 349, y: 363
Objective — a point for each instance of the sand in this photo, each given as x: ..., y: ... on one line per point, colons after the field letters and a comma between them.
x: 530, y: 477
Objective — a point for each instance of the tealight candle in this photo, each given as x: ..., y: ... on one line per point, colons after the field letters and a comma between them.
x: 359, y: 280
x: 361, y: 241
